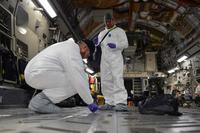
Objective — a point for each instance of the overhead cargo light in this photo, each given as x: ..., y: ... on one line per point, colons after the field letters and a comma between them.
x: 182, y: 58
x: 85, y: 61
x: 171, y: 71
x: 22, y: 30
x: 46, y: 5
x: 90, y: 71
x: 176, y: 68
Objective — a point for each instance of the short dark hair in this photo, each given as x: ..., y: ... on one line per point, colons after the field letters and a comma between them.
x: 90, y: 45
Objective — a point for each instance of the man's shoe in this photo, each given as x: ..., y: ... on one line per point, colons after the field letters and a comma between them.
x: 121, y: 107
x: 106, y: 107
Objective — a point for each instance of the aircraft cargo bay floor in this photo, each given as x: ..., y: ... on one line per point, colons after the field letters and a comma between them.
x: 80, y: 120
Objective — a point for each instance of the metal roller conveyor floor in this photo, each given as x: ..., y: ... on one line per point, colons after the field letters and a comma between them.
x: 80, y: 120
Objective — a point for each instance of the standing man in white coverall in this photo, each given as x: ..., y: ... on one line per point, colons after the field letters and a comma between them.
x: 112, y: 83
x: 59, y: 72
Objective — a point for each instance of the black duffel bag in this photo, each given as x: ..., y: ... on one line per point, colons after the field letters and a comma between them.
x: 160, y: 105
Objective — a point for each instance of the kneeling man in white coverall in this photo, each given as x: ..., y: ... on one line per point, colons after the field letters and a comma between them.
x: 59, y: 72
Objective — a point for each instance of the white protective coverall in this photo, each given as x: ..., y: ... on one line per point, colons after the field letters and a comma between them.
x: 59, y: 71
x: 112, y: 83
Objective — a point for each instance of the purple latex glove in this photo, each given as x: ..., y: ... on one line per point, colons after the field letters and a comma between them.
x: 111, y: 45
x: 93, y: 107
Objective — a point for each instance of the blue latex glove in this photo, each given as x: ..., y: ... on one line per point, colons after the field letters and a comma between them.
x: 111, y: 45
x: 93, y: 107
